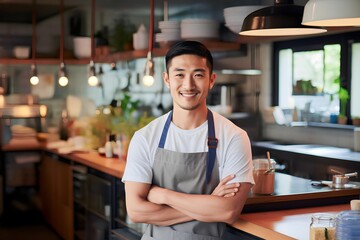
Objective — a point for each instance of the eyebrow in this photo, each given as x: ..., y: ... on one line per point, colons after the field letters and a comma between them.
x: 195, y: 70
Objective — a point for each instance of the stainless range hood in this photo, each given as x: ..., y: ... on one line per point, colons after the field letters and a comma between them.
x: 21, y: 106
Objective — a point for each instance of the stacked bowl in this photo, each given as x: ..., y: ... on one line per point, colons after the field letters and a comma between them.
x: 170, y: 32
x: 199, y: 29
x: 234, y: 16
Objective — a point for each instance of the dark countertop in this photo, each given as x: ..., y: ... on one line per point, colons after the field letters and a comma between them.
x: 294, y: 192
x: 312, y: 149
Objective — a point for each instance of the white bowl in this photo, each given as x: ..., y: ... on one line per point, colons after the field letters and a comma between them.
x: 199, y: 28
x: 169, y: 24
x: 82, y: 47
x: 21, y: 52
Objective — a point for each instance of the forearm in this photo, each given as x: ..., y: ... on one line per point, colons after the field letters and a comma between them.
x: 142, y: 211
x: 207, y: 208
x: 162, y: 215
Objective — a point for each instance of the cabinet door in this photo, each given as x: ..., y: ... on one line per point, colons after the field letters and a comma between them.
x: 47, y: 188
x: 64, y: 199
x: 56, y: 193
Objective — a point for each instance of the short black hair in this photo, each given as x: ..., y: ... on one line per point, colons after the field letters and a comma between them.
x: 189, y: 47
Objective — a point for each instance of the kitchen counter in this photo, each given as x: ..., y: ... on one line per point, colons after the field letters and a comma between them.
x: 310, y: 161
x: 289, y: 192
x: 293, y: 192
x: 284, y: 224
x: 112, y: 166
x: 292, y: 196
x: 312, y: 149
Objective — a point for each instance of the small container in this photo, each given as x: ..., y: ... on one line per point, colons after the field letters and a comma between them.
x: 322, y: 227
x: 108, y: 148
x: 339, y: 181
x: 119, y: 146
x: 264, y: 176
x: 347, y: 225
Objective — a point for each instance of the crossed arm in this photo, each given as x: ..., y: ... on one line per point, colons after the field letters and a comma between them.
x: 155, y: 205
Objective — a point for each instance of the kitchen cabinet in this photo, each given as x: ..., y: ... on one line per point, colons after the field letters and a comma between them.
x: 56, y: 192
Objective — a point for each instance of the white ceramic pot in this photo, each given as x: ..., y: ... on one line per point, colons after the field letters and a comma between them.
x: 82, y: 47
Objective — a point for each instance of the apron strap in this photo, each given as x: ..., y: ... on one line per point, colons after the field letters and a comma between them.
x: 212, y: 145
x: 165, y: 131
x: 212, y: 142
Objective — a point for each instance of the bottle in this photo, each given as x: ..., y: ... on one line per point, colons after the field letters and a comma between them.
x: 322, y: 227
x: 119, y: 146
x: 108, y: 147
x: 64, y: 122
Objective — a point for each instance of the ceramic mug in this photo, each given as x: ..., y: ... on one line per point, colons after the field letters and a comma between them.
x: 140, y: 40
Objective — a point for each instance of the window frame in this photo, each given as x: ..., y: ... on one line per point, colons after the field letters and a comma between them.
x: 312, y: 43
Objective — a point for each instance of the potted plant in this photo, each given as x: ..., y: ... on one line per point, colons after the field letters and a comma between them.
x: 356, y: 120
x: 344, y: 98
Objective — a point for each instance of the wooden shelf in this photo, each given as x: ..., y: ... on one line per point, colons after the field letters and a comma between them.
x: 44, y: 61
x: 213, y: 45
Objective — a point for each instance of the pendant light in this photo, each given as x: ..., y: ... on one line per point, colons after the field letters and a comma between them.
x: 148, y: 79
x: 92, y: 80
x: 282, y: 19
x: 34, y: 80
x: 332, y: 13
x: 63, y: 80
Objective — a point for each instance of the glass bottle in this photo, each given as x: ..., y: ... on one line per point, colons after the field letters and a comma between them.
x: 322, y: 227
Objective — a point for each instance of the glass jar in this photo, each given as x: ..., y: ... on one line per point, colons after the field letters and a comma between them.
x: 264, y: 176
x: 322, y: 227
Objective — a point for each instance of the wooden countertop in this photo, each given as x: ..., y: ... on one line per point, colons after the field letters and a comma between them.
x: 284, y: 224
x: 112, y: 166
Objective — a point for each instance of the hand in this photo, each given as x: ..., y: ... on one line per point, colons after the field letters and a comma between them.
x: 226, y: 190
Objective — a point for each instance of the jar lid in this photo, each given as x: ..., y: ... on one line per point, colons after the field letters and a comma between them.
x: 263, y: 163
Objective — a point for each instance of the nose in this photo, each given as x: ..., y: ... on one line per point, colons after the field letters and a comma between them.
x: 188, y: 82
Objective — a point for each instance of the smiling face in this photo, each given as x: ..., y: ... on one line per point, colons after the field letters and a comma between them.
x: 189, y: 80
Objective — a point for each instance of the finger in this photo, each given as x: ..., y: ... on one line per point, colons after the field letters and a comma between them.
x: 227, y: 179
x: 229, y: 195
x: 231, y: 185
x: 229, y: 191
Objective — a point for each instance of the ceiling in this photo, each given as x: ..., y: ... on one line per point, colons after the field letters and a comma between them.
x: 20, y: 11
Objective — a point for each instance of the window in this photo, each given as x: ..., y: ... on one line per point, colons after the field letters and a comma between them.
x: 355, y: 80
x: 309, y: 73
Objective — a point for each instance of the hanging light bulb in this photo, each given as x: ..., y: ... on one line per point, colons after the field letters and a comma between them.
x: 63, y: 80
x: 34, y: 80
x: 93, y: 81
x: 148, y: 78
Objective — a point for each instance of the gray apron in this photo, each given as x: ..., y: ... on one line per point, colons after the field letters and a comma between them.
x: 193, y: 173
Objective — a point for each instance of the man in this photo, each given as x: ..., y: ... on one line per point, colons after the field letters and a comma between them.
x: 175, y: 163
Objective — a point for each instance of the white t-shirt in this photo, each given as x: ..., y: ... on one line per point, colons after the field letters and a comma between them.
x: 233, y: 151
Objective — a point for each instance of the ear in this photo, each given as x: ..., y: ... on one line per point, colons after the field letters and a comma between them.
x: 212, y: 80
x: 165, y: 77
